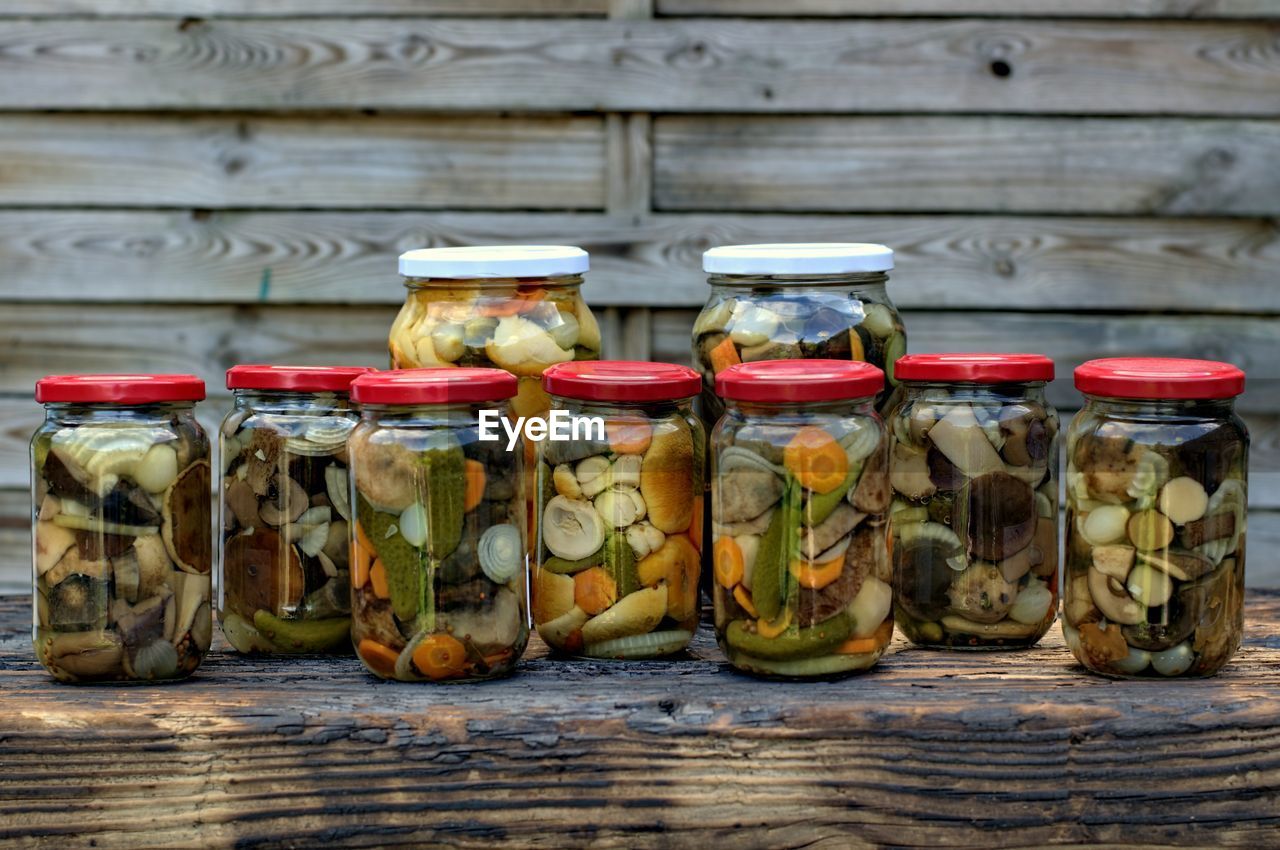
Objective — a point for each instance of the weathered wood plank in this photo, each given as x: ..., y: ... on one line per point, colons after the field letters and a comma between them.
x: 675, y: 65
x: 934, y: 749
x: 347, y: 161
x: 296, y: 8
x: 987, y: 164
x: 994, y: 8
x: 982, y: 262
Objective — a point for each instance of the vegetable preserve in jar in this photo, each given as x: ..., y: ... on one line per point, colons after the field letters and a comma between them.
x: 285, y: 509
x: 1157, y: 464
x: 800, y: 519
x: 513, y: 307
x: 974, y: 470
x: 620, y: 504
x: 123, y: 532
x: 793, y: 302
x: 438, y: 559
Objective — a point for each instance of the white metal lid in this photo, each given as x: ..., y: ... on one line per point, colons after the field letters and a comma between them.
x: 798, y: 258
x: 494, y: 261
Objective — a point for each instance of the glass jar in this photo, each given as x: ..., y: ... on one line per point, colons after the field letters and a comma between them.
x: 438, y: 559
x: 800, y: 519
x: 285, y: 582
x: 122, y: 528
x: 974, y: 470
x: 620, y: 503
x: 512, y: 307
x: 1157, y: 466
x: 793, y: 302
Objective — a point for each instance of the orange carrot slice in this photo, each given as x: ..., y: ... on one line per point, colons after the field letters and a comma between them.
x: 380, y: 659
x: 724, y: 355
x: 629, y: 434
x: 474, y: 473
x: 878, y: 639
x: 743, y: 597
x: 816, y: 460
x: 728, y: 560
x: 815, y: 575
x: 594, y: 590
x: 440, y: 656
x: 378, y: 577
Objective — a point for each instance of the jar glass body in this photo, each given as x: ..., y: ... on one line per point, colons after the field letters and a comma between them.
x: 284, y: 513
x: 123, y: 542
x: 620, y: 530
x: 1155, y: 543
x: 522, y: 325
x: 800, y: 535
x: 975, y: 514
x: 438, y: 561
x: 793, y: 317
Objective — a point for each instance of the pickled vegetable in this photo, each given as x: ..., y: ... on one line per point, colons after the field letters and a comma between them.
x: 123, y: 547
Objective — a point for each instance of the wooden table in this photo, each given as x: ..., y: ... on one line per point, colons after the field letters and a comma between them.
x: 931, y: 750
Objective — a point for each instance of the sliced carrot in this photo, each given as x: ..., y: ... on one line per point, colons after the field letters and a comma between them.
x: 856, y: 351
x: 594, y: 590
x: 440, y: 656
x: 695, y: 524
x: 378, y: 577
x: 816, y: 459
x: 878, y: 639
x: 815, y: 575
x: 743, y: 597
x: 777, y: 627
x: 724, y: 355
x: 474, y: 472
x: 381, y: 659
x: 523, y: 301
x: 362, y: 555
x: 573, y: 642
x: 629, y: 434
x: 728, y: 560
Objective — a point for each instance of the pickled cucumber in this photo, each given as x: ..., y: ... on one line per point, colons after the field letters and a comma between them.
x: 820, y: 505
x: 769, y: 583
x: 563, y: 566
x: 823, y: 665
x: 302, y: 635
x: 445, y: 498
x: 405, y: 565
x: 620, y: 562
x: 800, y: 643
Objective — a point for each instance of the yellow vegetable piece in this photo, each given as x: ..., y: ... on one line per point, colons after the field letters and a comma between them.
x: 816, y: 459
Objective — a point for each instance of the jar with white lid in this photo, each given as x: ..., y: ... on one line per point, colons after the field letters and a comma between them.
x: 1157, y: 478
x: 512, y: 307
x: 122, y: 528
x: 784, y: 301
x: 285, y: 509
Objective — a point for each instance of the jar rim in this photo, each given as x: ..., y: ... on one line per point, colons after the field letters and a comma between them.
x: 800, y: 381
x: 434, y: 386
x: 303, y: 379
x: 974, y: 368
x: 621, y: 381
x: 1158, y: 378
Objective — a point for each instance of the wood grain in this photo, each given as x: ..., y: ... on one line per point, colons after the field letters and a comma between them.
x: 297, y: 8
x: 933, y: 749
x: 969, y: 262
x: 302, y: 161
x: 670, y: 65
x: 994, y: 8
x: 987, y: 164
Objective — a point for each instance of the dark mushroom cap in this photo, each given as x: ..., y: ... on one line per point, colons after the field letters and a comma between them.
x: 922, y: 579
x: 186, y: 518
x: 261, y: 572
x: 63, y: 483
x: 1171, y: 623
x: 1002, y: 515
x: 944, y: 474
x: 78, y: 602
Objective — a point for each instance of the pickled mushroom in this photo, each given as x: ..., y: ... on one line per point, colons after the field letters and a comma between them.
x: 909, y: 472
x: 523, y: 348
x: 1002, y: 515
x: 748, y: 485
x: 981, y: 593
x: 188, y: 542
x: 1113, y: 600
x: 571, y: 529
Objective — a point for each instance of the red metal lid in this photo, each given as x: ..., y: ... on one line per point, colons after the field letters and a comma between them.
x: 118, y: 389
x: 303, y: 379
x: 621, y: 380
x: 974, y: 368
x: 799, y: 380
x: 433, y: 386
x: 1159, y: 378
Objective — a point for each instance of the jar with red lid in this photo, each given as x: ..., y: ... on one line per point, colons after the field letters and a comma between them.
x: 438, y: 560
x: 1157, y: 470
x: 285, y: 509
x: 800, y: 518
x: 122, y: 528
x: 974, y: 470
x: 620, y: 498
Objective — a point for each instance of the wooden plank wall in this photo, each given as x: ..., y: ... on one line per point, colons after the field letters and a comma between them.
x: 186, y: 184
